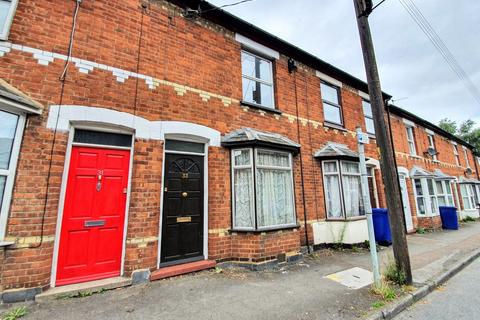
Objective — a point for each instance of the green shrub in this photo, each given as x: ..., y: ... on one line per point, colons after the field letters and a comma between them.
x: 394, y: 274
x: 385, y: 291
x: 421, y: 230
x: 468, y: 219
x: 16, y: 313
x: 378, y: 304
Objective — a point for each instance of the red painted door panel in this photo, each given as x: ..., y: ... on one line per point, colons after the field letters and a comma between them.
x: 93, y: 216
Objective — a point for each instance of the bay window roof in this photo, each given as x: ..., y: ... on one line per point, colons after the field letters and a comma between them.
x: 333, y: 150
x: 14, y: 98
x: 418, y: 172
x: 253, y: 137
x: 468, y: 180
x: 439, y: 175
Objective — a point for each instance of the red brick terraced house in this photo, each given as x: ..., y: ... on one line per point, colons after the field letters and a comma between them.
x: 143, y: 135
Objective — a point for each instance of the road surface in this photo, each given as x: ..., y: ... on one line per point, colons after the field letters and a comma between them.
x: 458, y: 299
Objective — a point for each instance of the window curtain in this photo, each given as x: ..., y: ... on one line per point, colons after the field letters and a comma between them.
x: 334, y: 202
x: 243, y: 188
x: 274, y: 190
x: 352, y: 195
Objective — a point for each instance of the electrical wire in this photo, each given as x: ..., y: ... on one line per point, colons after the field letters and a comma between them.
x: 226, y: 5
x: 425, y: 26
x: 52, y: 149
x: 70, y: 46
x: 305, y: 216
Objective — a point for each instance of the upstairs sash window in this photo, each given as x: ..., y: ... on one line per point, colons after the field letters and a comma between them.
x: 7, y: 11
x: 257, y: 80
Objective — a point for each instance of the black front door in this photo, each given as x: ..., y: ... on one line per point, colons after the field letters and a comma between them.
x: 182, y: 223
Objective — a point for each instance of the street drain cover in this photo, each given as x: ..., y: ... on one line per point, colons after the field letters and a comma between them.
x: 354, y: 278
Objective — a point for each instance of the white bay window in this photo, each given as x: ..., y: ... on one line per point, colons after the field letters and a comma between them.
x: 11, y: 130
x: 444, y: 193
x: 426, y: 196
x: 342, y: 189
x: 262, y: 185
x: 468, y: 196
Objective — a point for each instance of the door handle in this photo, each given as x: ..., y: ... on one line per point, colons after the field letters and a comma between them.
x: 94, y: 223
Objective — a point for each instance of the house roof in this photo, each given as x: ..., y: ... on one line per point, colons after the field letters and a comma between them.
x: 439, y: 175
x: 333, y: 150
x: 11, y: 96
x: 418, y: 172
x: 254, y: 137
x: 426, y: 124
x: 235, y: 24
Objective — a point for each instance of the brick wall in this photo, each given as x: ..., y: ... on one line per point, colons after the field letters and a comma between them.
x: 195, y: 72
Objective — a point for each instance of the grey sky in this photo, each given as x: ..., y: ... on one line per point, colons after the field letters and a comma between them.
x: 409, y: 65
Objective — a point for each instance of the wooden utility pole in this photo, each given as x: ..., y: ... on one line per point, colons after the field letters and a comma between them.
x: 387, y: 160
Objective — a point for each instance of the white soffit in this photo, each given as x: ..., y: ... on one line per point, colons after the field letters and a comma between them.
x: 257, y: 47
x: 328, y: 79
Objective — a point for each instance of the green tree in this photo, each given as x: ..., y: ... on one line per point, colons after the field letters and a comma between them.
x: 448, y: 125
x: 466, y: 131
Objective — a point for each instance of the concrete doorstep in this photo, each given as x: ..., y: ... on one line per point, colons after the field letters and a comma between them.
x: 396, y: 307
x: 87, y: 288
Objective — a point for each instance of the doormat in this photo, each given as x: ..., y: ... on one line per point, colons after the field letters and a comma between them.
x: 354, y: 278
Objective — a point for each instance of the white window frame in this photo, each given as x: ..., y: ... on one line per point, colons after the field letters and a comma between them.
x: 368, y: 117
x: 427, y: 197
x: 253, y: 157
x: 340, y: 175
x: 252, y: 192
x: 371, y: 173
x: 332, y: 104
x: 465, y: 153
x: 248, y: 77
x: 455, y: 154
x: 431, y: 144
x: 444, y: 193
x: 467, y: 192
x: 412, y: 149
x: 10, y: 173
x: 9, y: 20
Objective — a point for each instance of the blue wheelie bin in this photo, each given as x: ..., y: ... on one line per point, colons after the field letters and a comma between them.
x: 449, y: 218
x: 381, y: 226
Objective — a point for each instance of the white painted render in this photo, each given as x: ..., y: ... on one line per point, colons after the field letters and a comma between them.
x: 346, y: 232
x: 62, y: 117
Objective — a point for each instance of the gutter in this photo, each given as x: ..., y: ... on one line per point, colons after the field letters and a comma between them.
x: 236, y: 24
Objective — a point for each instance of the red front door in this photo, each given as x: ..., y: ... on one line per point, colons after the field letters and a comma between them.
x: 94, y: 215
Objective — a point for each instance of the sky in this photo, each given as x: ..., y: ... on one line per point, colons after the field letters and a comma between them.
x: 411, y: 70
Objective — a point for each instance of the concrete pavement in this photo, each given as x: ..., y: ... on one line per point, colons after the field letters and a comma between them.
x: 295, y: 292
x: 458, y: 299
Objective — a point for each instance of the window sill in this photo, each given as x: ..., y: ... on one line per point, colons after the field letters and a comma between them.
x: 260, y: 107
x: 346, y: 219
x: 414, y: 156
x: 334, y: 126
x: 272, y: 229
x: 6, y: 243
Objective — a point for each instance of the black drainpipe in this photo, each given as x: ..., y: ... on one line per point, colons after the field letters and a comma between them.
x: 292, y: 68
